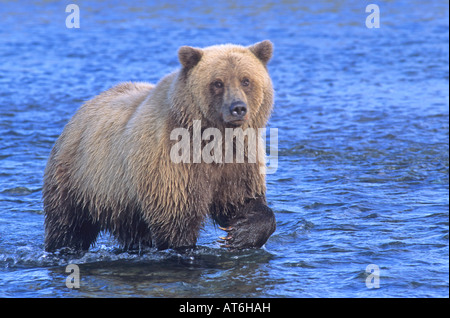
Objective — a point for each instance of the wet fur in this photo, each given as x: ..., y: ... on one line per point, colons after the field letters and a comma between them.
x: 110, y: 170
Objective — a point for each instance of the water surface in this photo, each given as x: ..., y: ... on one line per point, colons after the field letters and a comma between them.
x: 362, y: 116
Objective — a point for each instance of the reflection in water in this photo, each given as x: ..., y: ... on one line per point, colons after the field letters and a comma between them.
x: 169, y: 274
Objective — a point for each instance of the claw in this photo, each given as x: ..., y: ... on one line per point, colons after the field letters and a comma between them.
x: 224, y: 241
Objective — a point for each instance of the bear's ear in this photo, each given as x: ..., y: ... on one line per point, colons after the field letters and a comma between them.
x: 262, y: 50
x: 189, y: 56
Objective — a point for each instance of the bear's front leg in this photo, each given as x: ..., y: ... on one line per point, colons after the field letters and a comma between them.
x: 249, y: 227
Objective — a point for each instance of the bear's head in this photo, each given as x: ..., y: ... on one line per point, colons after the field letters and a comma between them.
x: 229, y: 84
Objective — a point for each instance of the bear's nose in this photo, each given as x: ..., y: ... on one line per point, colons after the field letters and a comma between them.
x: 238, y: 109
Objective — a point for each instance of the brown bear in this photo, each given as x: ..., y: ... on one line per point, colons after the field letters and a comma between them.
x: 111, y: 168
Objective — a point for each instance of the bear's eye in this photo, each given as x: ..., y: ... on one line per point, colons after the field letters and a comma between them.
x: 218, y: 84
x: 245, y: 82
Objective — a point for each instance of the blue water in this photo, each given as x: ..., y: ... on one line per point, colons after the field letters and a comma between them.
x: 363, y: 123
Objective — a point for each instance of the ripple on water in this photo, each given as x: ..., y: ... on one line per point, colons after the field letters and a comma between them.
x: 363, y: 150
